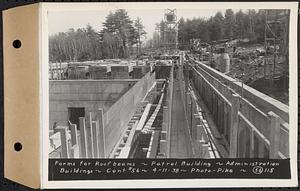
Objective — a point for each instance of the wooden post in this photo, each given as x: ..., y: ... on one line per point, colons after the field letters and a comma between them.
x: 199, y: 132
x: 95, y: 129
x: 191, y: 114
x: 274, y: 126
x: 185, y: 100
x: 183, y: 95
x: 188, y: 108
x: 74, y: 151
x: 225, y: 120
x: 56, y: 70
x: 60, y: 71
x: 91, y: 118
x: 74, y: 141
x: 170, y: 102
x: 235, y: 104
x: 88, y: 133
x: 200, y: 143
x: 74, y: 135
x: 64, y: 142
x: 261, y: 150
x: 205, y: 151
x: 251, y: 143
x: 196, y: 125
x: 165, y: 119
x: 101, y: 135
x: 83, y: 145
x: 163, y: 147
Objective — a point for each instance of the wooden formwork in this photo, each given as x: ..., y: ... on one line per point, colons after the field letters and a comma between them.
x: 86, y: 141
x: 248, y: 130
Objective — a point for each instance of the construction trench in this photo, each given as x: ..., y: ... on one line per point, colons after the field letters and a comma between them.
x: 184, y: 109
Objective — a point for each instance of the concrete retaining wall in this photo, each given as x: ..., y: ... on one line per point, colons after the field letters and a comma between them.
x: 120, y: 113
x: 255, y: 122
x: 260, y: 100
x: 90, y: 94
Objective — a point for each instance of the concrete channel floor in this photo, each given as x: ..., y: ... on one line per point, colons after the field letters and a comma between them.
x: 180, y: 145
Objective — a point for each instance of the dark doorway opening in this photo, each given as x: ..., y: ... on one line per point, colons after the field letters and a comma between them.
x: 74, y: 113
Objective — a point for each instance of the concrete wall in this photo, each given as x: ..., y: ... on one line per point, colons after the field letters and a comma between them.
x: 254, y: 121
x: 120, y: 113
x: 90, y: 94
x: 260, y: 100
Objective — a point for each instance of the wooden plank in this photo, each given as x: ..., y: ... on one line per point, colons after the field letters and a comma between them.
x: 260, y: 149
x: 226, y: 134
x: 199, y: 132
x: 163, y: 147
x: 89, y: 146
x: 130, y: 140
x: 83, y: 145
x: 74, y: 141
x: 144, y: 117
x: 234, y: 126
x: 274, y: 126
x: 197, y: 122
x: 165, y: 123
x: 95, y: 129
x: 101, y: 135
x: 74, y: 151
x: 212, y: 87
x: 188, y: 109
x: 74, y: 134
x: 251, y: 143
x: 152, y: 150
x: 219, y: 122
x: 192, y: 114
x: 55, y: 141
x: 64, y: 142
x: 256, y: 132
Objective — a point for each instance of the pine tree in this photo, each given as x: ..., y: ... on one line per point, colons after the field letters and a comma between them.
x: 140, y: 32
x: 229, y: 23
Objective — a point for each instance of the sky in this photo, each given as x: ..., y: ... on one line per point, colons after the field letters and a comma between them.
x: 61, y: 21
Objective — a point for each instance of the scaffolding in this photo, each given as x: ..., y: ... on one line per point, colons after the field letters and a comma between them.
x: 276, y: 38
x: 171, y: 29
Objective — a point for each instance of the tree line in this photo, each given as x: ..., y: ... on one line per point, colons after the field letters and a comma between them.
x: 249, y: 24
x: 117, y: 38
x: 231, y: 25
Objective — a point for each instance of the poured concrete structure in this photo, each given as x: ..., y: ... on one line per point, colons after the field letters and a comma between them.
x: 250, y: 123
x: 87, y: 94
x: 108, y: 103
x: 120, y: 113
x: 197, y: 113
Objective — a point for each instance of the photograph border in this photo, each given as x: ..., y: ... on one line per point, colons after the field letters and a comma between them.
x: 168, y: 183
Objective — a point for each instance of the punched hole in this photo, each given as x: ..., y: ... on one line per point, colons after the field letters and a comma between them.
x: 18, y: 146
x: 17, y: 43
